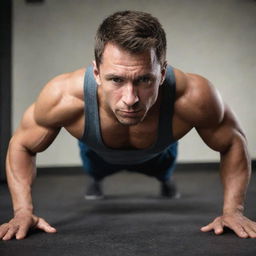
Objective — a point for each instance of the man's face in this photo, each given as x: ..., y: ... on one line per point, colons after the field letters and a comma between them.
x: 128, y: 83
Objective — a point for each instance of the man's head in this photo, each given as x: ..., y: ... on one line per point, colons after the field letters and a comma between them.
x: 133, y: 31
x: 130, y: 65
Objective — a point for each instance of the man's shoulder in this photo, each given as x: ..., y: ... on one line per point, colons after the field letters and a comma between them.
x: 197, y: 100
x: 68, y: 84
x: 60, y: 99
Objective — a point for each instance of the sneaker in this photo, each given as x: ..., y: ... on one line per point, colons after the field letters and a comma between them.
x: 169, y: 190
x: 94, y: 190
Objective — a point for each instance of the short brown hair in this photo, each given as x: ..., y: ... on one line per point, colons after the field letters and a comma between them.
x: 133, y: 31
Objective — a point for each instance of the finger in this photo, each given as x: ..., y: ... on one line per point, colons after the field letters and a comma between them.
x: 253, y: 226
x: 207, y: 228
x: 3, y: 230
x: 239, y: 231
x: 10, y: 233
x: 42, y: 224
x: 249, y: 230
x: 218, y: 228
x: 22, y: 232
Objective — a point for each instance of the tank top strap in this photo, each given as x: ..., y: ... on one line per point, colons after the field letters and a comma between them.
x: 91, y: 108
x: 167, y: 108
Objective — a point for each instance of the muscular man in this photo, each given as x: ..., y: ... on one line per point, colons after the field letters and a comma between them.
x: 130, y: 114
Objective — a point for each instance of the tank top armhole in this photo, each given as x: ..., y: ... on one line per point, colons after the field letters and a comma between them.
x: 87, y: 81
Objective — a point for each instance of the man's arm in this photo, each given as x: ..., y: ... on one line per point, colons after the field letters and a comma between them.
x: 219, y: 129
x: 229, y: 140
x: 29, y: 139
x: 60, y: 104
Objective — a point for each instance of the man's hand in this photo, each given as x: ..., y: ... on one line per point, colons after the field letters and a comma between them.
x: 21, y: 223
x: 241, y: 225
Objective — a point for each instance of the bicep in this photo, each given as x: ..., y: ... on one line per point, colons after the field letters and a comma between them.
x: 222, y: 136
x: 31, y: 136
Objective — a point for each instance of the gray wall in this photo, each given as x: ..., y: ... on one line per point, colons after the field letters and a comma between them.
x: 216, y: 39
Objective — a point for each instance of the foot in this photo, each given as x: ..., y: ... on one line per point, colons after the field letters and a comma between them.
x: 169, y: 189
x: 94, y: 190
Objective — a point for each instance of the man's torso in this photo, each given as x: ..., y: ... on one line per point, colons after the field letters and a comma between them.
x: 118, y: 136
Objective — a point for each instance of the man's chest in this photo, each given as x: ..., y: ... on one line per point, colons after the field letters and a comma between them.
x: 116, y: 135
x: 140, y: 136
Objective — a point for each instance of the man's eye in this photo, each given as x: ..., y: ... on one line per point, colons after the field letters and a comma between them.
x: 117, y: 80
x: 144, y: 80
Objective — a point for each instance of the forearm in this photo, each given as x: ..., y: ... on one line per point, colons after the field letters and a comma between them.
x: 235, y: 174
x: 21, y: 170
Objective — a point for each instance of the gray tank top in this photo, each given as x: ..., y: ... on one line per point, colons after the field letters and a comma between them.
x: 92, y: 133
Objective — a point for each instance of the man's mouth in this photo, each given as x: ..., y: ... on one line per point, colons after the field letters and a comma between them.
x: 129, y: 113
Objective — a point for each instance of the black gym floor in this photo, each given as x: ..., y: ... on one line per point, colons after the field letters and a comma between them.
x: 132, y: 220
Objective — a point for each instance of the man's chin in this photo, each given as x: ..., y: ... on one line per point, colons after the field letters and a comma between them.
x: 129, y: 121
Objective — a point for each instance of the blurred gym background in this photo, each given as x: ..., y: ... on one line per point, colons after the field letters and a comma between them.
x: 43, y: 38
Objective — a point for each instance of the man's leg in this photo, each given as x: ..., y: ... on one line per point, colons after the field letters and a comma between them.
x: 96, y: 169
x: 162, y: 167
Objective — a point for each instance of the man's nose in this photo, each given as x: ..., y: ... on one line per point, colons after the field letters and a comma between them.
x: 130, y: 95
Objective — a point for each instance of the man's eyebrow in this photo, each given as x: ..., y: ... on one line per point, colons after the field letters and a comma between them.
x: 109, y: 76
x: 148, y: 75
x: 137, y: 78
x: 145, y: 75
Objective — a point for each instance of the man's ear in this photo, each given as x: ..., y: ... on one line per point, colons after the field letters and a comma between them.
x: 96, y: 73
x: 163, y: 72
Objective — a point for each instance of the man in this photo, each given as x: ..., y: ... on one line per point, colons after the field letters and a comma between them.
x: 130, y: 114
